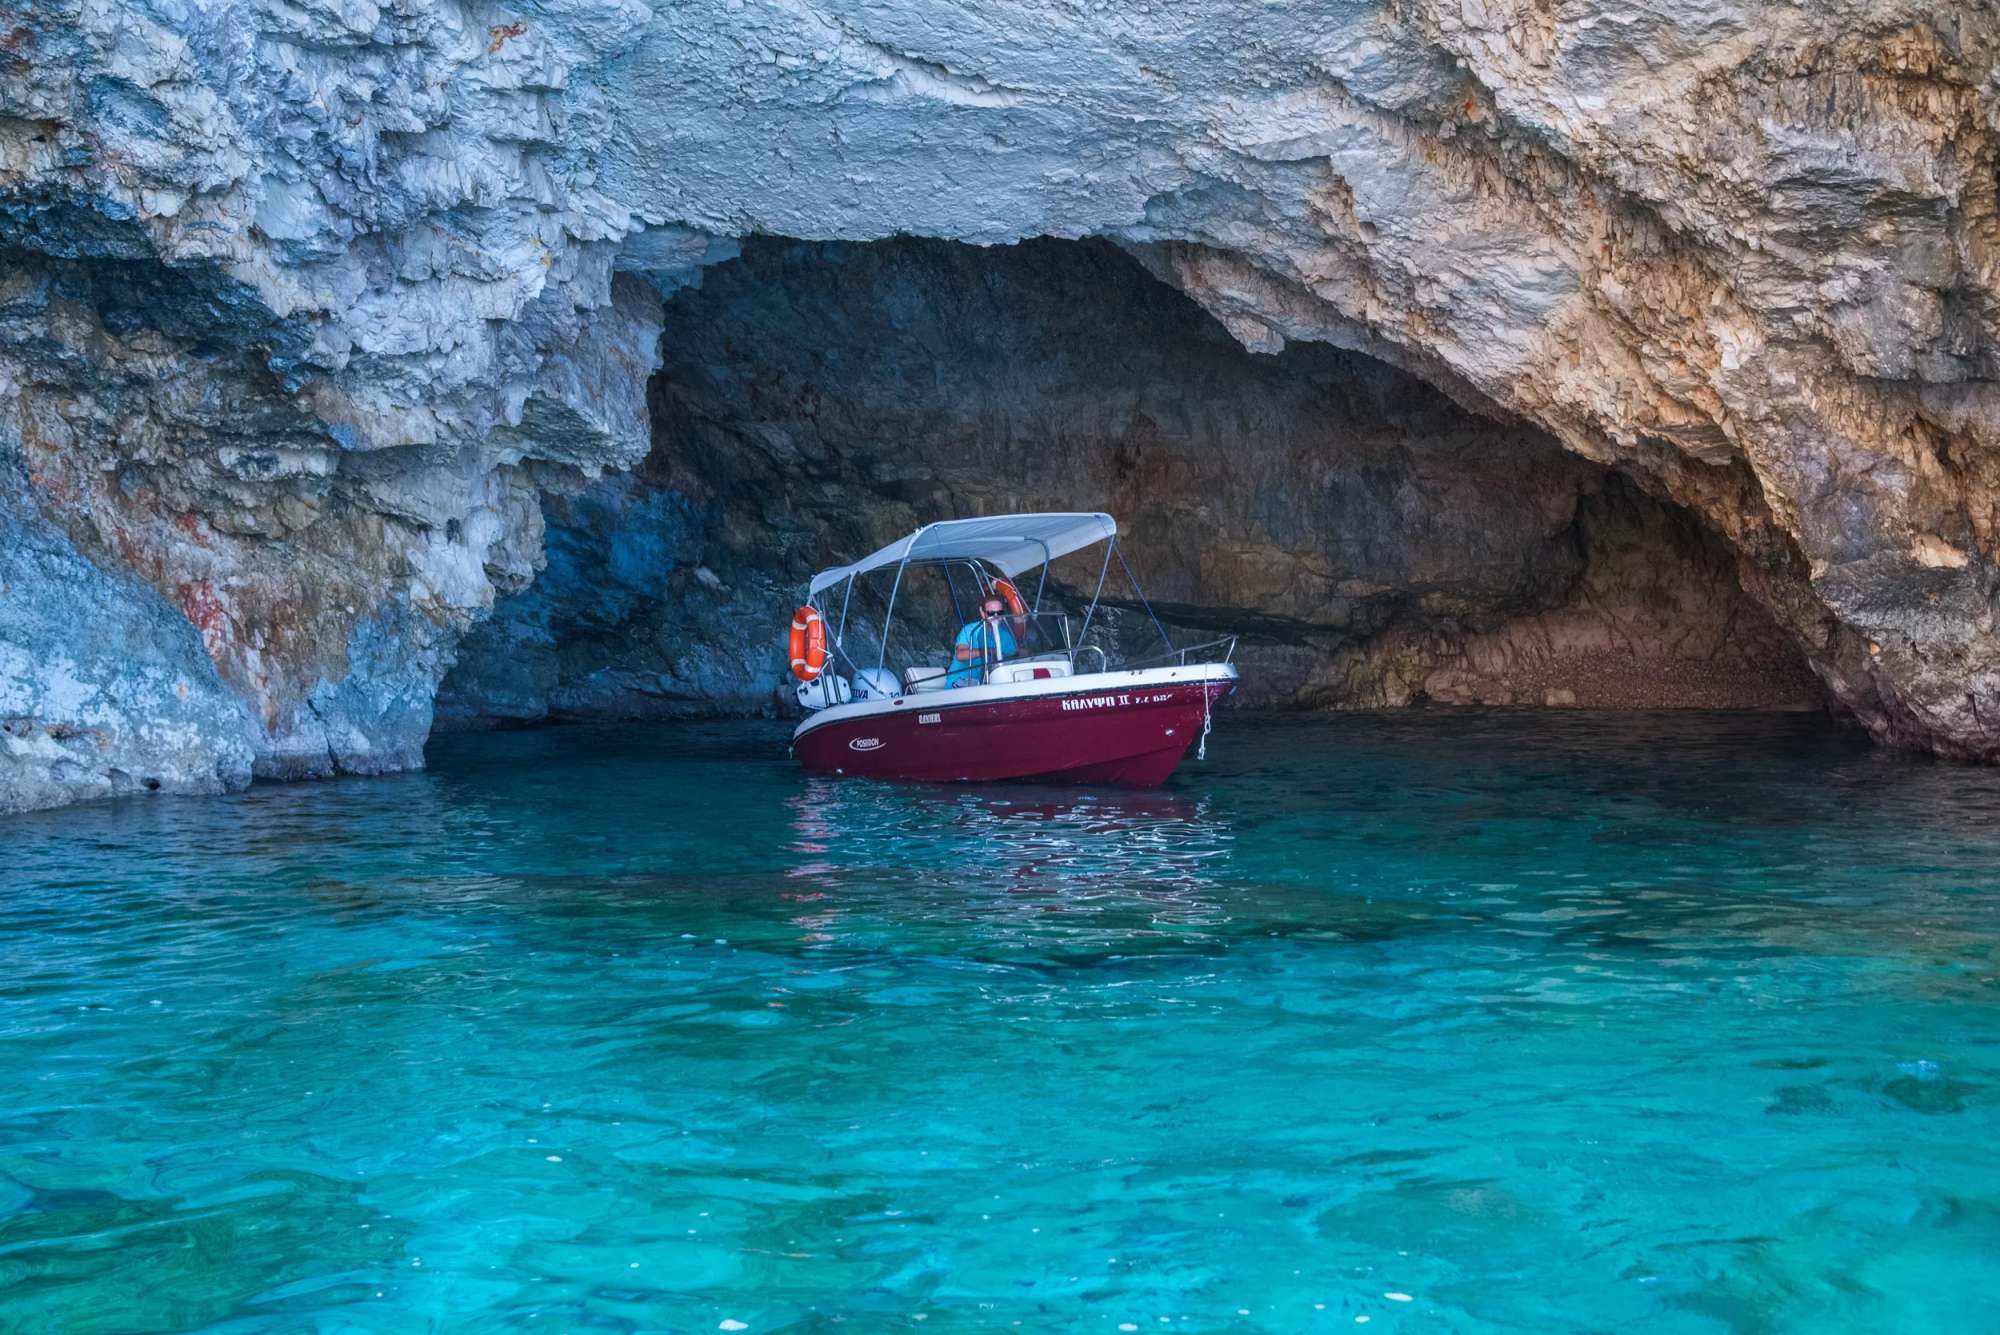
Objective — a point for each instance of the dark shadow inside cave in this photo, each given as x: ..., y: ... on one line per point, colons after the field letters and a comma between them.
x: 1380, y: 544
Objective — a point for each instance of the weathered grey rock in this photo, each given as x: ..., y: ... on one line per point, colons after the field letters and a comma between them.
x: 308, y: 303
x: 273, y: 337
x: 104, y: 687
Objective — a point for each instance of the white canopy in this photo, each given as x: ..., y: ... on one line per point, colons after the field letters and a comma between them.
x: 1011, y: 542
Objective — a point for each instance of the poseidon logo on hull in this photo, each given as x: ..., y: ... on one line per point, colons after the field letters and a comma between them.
x: 864, y: 744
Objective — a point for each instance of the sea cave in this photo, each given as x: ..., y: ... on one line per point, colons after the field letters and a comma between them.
x: 460, y: 868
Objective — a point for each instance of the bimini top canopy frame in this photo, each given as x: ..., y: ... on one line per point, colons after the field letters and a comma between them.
x: 1009, y: 543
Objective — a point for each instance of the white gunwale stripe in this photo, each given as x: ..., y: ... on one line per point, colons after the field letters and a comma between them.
x: 999, y: 692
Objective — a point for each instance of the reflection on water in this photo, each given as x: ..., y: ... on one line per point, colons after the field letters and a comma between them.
x: 1017, y: 867
x: 1460, y: 1021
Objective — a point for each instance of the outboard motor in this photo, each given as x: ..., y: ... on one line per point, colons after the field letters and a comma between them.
x: 875, y: 684
x: 827, y: 689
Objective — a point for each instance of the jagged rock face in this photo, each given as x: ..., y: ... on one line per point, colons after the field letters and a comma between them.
x: 628, y: 619
x: 1378, y: 543
x: 1745, y: 253
x: 297, y: 326
x: 104, y: 687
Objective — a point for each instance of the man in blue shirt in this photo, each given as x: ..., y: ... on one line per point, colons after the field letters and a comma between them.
x: 980, y: 644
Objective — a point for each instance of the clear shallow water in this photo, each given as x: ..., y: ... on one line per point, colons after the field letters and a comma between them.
x: 1549, y: 1022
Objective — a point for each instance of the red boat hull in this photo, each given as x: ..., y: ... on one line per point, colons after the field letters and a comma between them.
x: 1133, y: 737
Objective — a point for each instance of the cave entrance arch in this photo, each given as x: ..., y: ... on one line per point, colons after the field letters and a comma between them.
x: 1380, y: 544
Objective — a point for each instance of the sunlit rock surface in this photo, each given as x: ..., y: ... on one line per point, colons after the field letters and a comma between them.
x: 309, y: 305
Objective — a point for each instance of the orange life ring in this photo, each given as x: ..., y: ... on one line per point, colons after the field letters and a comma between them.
x: 808, y: 644
x: 1010, y: 596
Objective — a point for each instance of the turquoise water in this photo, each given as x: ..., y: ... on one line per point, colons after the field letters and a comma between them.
x: 1443, y: 1021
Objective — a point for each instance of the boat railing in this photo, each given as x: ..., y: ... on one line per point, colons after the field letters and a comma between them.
x: 1029, y: 638
x: 1182, y: 655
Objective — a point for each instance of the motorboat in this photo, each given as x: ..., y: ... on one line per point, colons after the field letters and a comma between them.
x: 1026, y: 691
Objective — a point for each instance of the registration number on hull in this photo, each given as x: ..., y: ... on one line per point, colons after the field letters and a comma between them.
x: 1114, y: 701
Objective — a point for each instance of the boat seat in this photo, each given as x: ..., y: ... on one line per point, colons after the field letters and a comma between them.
x: 925, y: 678
x: 1031, y: 669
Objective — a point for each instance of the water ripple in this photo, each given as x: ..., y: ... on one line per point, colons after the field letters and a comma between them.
x: 1472, y: 1021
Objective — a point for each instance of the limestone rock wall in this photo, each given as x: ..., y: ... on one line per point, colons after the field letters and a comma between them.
x: 104, y: 687
x: 631, y: 618
x: 300, y: 313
